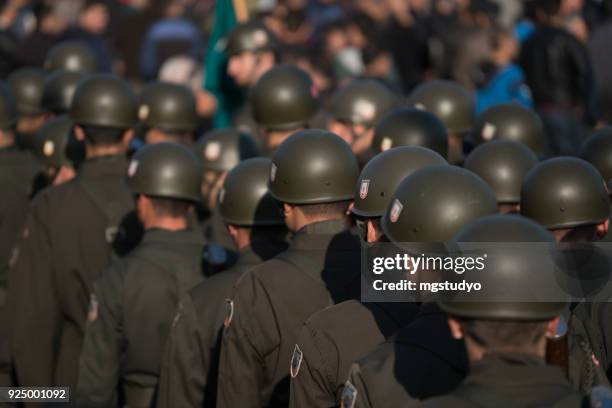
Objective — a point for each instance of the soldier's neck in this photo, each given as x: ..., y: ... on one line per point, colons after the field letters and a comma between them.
x: 105, y: 150
x: 166, y: 223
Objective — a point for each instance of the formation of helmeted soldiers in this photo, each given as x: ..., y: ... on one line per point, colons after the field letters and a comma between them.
x: 145, y: 265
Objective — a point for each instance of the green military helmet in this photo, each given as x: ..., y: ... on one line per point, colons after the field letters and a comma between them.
x: 565, y: 192
x: 362, y: 102
x: 510, y: 121
x: 410, y: 127
x: 503, y: 164
x: 167, y: 170
x: 245, y: 200
x: 222, y: 149
x: 313, y: 166
x: 75, y: 56
x: 597, y: 150
x: 27, y: 86
x: 251, y: 36
x: 104, y: 100
x: 284, y: 98
x: 434, y: 202
x: 508, y: 270
x: 381, y: 176
x: 51, y: 141
x: 58, y: 90
x: 449, y: 101
x: 168, y: 107
x: 8, y: 109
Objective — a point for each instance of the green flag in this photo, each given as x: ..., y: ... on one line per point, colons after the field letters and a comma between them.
x: 216, y: 80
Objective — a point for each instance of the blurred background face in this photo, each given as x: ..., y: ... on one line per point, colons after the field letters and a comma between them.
x: 95, y: 18
x: 243, y: 68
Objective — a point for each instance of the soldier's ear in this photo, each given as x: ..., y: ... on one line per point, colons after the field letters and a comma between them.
x: 79, y: 133
x: 602, y: 229
x: 455, y: 328
x: 551, y: 327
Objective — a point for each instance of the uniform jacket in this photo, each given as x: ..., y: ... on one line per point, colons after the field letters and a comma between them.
x: 511, y: 380
x: 130, y: 315
x: 272, y: 301
x: 332, y: 339
x: 420, y: 361
x: 191, y: 358
x: 66, y: 243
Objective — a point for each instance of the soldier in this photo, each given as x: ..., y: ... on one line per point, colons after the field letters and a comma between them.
x: 57, y: 149
x: 58, y: 91
x: 356, y: 109
x: 511, y: 122
x: 506, y: 340
x: 73, y: 56
x: 18, y: 169
x: 168, y: 113
x: 283, y: 101
x: 135, y: 297
x: 252, y: 51
x: 72, y: 232
x: 27, y: 86
x: 503, y: 164
x: 255, y: 222
x: 453, y: 105
x: 421, y: 359
x: 333, y: 338
x: 410, y: 127
x: 569, y: 197
x: 220, y: 150
x: 313, y: 174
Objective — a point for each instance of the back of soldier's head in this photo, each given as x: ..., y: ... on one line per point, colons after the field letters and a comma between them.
x: 74, y: 56
x: 166, y: 172
x: 315, y: 170
x: 503, y: 164
x: 362, y: 102
x: 27, y: 86
x: 565, y: 193
x: 284, y: 98
x: 104, y: 106
x: 58, y: 90
x: 245, y: 201
x: 597, y: 150
x: 169, y: 108
x: 410, y: 127
x: 222, y: 149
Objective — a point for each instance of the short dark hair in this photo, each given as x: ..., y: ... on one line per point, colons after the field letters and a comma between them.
x: 102, y: 135
x: 504, y: 335
x: 170, y: 207
x: 315, y: 210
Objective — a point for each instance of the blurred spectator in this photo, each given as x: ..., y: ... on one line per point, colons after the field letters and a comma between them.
x: 130, y: 33
x: 559, y: 72
x: 91, y: 28
x: 407, y: 37
x: 502, y: 81
x: 173, y: 35
x: 49, y: 26
x: 599, y: 49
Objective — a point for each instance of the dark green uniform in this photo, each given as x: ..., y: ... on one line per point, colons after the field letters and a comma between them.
x: 270, y: 304
x: 419, y: 361
x: 190, y: 364
x: 134, y: 302
x: 511, y: 380
x: 69, y: 237
x: 333, y: 338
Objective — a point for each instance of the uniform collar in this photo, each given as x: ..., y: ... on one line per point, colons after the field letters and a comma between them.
x: 167, y: 236
x: 513, y: 369
x: 318, y: 235
x: 248, y: 257
x: 104, y: 165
